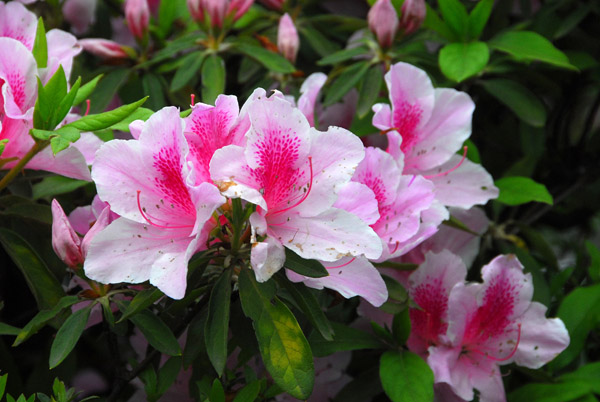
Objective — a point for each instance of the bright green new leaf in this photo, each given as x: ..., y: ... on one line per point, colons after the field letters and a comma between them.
x: 3, y: 145
x: 63, y: 137
x: 95, y: 122
x: 216, y: 328
x: 140, y: 114
x: 86, y: 90
x: 455, y: 15
x: 406, y: 377
x: 157, y: 333
x: 524, y: 103
x: 42, y: 283
x: 68, y: 335
x: 529, y: 46
x: 49, y: 98
x: 272, y: 61
x: 479, y: 17
x: 213, y: 78
x: 310, y: 268
x: 520, y: 190
x: 65, y: 104
x: 40, y: 45
x: 283, y: 347
x: 345, y: 82
x: 459, y: 61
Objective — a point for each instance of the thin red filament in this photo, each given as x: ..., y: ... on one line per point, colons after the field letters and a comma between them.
x: 193, y: 97
x: 501, y: 359
x: 87, y: 108
x: 305, y: 194
x: 147, y: 219
x: 465, y: 148
x: 397, y: 244
x: 343, y: 265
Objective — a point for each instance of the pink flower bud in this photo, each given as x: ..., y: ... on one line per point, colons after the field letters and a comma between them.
x: 80, y: 14
x: 288, y: 41
x: 274, y: 4
x: 383, y: 22
x: 196, y: 10
x: 137, y: 14
x: 65, y: 242
x: 104, y: 48
x: 239, y: 8
x: 216, y: 10
x: 413, y: 15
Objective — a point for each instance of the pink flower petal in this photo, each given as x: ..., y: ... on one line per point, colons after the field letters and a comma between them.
x: 267, y: 258
x: 309, y: 91
x: 358, y: 199
x: 18, y: 71
x: 18, y: 23
x: 65, y: 241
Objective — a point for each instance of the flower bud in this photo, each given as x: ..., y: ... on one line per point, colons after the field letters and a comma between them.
x: 383, y: 22
x: 104, y: 48
x: 413, y: 15
x: 274, y: 4
x: 137, y: 14
x: 65, y: 242
x: 80, y: 14
x: 216, y: 10
x: 288, y: 41
x: 239, y: 8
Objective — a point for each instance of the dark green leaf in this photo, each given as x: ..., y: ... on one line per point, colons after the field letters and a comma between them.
x: 40, y: 45
x: 455, y: 223
x: 141, y: 301
x: 310, y: 268
x: 54, y: 185
x: 525, y: 104
x: 594, y: 252
x: 190, y: 67
x: 343, y: 55
x: 213, y: 78
x: 37, y: 212
x: 3, y: 380
x: 345, y: 81
x: 435, y: 23
x: 107, y: 88
x: 308, y: 303
x: 369, y: 90
x: 318, y: 41
x: 41, y: 318
x: 194, y: 344
x: 44, y: 286
x: 401, y: 326
x: 455, y: 15
x: 406, y: 377
x: 6, y: 329
x: 249, y: 393
x: 479, y: 17
x: 168, y: 374
x: 95, y: 122
x: 459, y: 61
x: 589, y: 373
x: 345, y: 338
x: 217, y: 393
x: 521, y: 190
x: 86, y: 90
x: 568, y: 391
x: 68, y: 335
x: 216, y: 329
x: 272, y: 61
x: 157, y: 333
x: 283, y: 347
x: 528, y: 46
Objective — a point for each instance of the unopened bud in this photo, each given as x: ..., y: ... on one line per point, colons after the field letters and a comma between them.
x: 196, y: 10
x: 383, y: 22
x: 107, y: 49
x: 274, y: 4
x: 288, y: 41
x: 216, y: 11
x: 413, y: 15
x: 239, y: 8
x: 65, y: 242
x: 137, y: 14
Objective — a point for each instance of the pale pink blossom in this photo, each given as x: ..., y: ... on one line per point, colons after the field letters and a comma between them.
x: 80, y: 14
x: 383, y: 22
x: 164, y: 215
x: 426, y: 127
x: 137, y: 13
x: 413, y: 15
x: 293, y: 174
x: 288, y: 41
x: 104, y: 48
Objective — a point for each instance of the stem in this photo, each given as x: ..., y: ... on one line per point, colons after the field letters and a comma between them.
x: 12, y: 173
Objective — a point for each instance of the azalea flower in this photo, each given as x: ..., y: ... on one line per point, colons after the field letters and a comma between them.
x: 427, y: 127
x: 467, y: 330
x: 164, y: 214
x: 292, y: 173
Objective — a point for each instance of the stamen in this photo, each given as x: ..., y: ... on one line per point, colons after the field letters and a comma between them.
x: 383, y: 132
x: 305, y: 194
x: 343, y: 265
x: 453, y: 169
x: 498, y: 359
x: 193, y: 97
x: 397, y: 244
x: 87, y: 108
x: 145, y: 216
x: 412, y: 180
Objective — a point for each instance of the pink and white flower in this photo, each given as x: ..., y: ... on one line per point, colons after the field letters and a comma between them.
x: 293, y: 174
x: 164, y: 214
x: 428, y: 126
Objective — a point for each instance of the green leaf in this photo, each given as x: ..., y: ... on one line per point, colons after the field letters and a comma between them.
x: 455, y: 15
x: 550, y: 392
x: 68, y: 335
x: 345, y: 338
x: 140, y: 114
x: 37, y: 212
x: 528, y: 46
x: 283, y: 347
x: 62, y: 138
x: 3, y: 380
x: 369, y: 90
x: 6, y: 329
x: 308, y: 303
x: 141, y: 301
x: 190, y: 67
x: 194, y: 344
x: 44, y: 286
x: 157, y: 333
x: 580, y: 311
x: 401, y: 326
x: 310, y: 268
x: 55, y: 185
x: 86, y: 90
x: 345, y: 81
x: 272, y: 61
x: 217, y: 393
x: 435, y: 23
x: 249, y: 393
x: 3, y: 145
x: 520, y: 190
x: 153, y: 87
x: 318, y: 41
x: 95, y: 122
x: 40, y: 45
x: 49, y: 99
x: 343, y: 55
x: 66, y: 104
x: 406, y: 377
x: 168, y: 374
x: 589, y: 373
x: 42, y: 317
x: 459, y: 61
x: 525, y: 104
x: 213, y: 78
x: 216, y: 329
x: 479, y: 17
x: 107, y: 88
x: 594, y: 252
